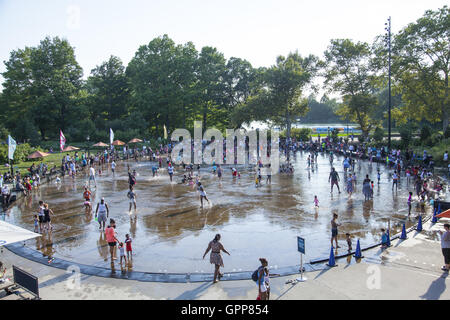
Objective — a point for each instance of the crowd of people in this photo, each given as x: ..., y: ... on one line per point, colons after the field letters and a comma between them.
x: 418, y: 173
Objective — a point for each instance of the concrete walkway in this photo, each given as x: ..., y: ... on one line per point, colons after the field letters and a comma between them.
x: 410, y: 269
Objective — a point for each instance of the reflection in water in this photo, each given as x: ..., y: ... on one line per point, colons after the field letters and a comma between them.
x: 254, y: 222
x: 102, y: 246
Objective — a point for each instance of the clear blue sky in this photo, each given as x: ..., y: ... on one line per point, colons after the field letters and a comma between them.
x: 256, y: 30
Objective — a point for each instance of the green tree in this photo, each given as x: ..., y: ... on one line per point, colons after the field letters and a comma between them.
x: 109, y: 89
x: 279, y: 100
x: 210, y: 87
x: 239, y: 83
x: 42, y: 85
x: 321, y: 112
x: 348, y: 72
x: 420, y: 66
x: 162, y: 77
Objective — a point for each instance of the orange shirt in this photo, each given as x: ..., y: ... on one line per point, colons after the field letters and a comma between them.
x: 110, y: 236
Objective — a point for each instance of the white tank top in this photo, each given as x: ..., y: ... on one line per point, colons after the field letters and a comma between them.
x: 102, y: 207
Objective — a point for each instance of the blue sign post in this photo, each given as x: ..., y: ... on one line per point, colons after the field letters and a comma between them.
x: 301, y: 249
x: 301, y: 245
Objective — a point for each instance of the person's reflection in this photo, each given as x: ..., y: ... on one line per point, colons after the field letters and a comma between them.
x: 350, y: 207
x: 39, y: 243
x: 133, y: 223
x: 88, y: 215
x: 367, y: 209
x: 28, y: 202
x: 38, y: 193
x: 48, y: 246
x: 102, y: 246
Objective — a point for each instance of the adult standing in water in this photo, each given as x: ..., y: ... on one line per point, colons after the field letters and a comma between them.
x: 269, y: 175
x: 395, y: 181
x: 350, y: 185
x: 111, y: 238
x: 215, y: 258
x: 113, y: 167
x: 366, y: 188
x: 219, y: 172
x: 92, y: 176
x: 102, y: 213
x: 47, y: 219
x: 334, y: 230
x: 334, y: 177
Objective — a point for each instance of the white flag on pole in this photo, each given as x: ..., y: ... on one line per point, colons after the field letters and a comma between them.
x: 111, y: 136
x: 11, y: 147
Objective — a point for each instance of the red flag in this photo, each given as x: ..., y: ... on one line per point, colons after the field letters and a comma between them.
x: 62, y: 140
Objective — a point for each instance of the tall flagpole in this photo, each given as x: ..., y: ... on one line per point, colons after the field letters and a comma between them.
x: 388, y: 29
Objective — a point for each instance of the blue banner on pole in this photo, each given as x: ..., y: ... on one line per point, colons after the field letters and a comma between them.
x: 301, y: 245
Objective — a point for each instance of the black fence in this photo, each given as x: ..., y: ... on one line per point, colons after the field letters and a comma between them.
x: 444, y: 205
x: 26, y: 281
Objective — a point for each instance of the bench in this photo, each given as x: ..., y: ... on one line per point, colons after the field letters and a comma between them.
x: 12, y: 297
x: 6, y: 285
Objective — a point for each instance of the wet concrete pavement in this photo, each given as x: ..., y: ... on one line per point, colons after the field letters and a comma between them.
x: 171, y: 232
x: 410, y: 270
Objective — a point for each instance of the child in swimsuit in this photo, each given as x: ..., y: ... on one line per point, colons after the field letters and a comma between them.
x: 122, y: 253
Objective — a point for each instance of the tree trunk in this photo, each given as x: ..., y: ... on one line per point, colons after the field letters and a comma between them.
x: 445, y: 106
x: 204, y: 119
x: 444, y: 119
x: 42, y: 130
x: 184, y: 116
x: 288, y: 125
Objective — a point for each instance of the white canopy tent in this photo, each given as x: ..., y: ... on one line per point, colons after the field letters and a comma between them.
x: 10, y: 233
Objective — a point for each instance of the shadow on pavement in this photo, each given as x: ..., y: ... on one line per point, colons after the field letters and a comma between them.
x: 436, y: 288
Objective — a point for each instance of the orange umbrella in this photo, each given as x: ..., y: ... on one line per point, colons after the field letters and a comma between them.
x: 38, y: 154
x: 445, y: 214
x: 135, y: 140
x: 118, y: 143
x: 70, y: 148
x: 100, y: 144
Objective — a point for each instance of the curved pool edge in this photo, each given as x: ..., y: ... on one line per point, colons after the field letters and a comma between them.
x: 36, y: 256
x: 314, y: 265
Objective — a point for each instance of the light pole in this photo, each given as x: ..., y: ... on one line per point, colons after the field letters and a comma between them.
x: 88, y: 138
x: 388, y: 43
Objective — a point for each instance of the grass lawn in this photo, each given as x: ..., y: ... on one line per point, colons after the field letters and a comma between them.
x: 52, y: 160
